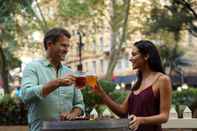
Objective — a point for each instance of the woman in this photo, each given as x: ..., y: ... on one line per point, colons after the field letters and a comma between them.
x: 148, y: 103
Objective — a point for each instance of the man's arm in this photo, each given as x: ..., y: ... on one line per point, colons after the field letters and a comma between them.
x: 54, y: 84
x: 30, y: 90
x: 33, y: 90
x: 78, y: 106
x: 78, y: 100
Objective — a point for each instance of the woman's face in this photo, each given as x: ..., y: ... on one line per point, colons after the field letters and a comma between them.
x: 137, y: 59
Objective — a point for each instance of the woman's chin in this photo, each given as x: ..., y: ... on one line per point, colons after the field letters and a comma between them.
x: 134, y: 67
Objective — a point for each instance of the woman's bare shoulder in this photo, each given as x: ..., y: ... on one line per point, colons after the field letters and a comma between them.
x: 163, y: 77
x: 164, y: 81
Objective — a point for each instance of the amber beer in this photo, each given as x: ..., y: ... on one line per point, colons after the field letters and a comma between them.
x: 91, y: 80
x: 80, y: 80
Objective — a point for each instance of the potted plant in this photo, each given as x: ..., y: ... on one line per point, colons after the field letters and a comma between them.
x: 185, y: 97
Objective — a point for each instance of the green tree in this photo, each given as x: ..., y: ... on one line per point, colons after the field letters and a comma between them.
x: 81, y: 12
x: 172, y: 54
x: 119, y: 21
x: 175, y: 17
x: 12, y: 31
x: 189, y: 14
x: 6, y: 37
x: 172, y: 59
x: 166, y: 25
x: 93, y: 12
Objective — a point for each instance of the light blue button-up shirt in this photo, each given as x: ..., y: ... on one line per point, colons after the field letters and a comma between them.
x: 63, y: 99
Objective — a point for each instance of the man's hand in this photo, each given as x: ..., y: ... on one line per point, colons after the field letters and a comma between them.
x: 54, y: 84
x: 75, y: 113
x: 68, y: 116
x: 67, y: 80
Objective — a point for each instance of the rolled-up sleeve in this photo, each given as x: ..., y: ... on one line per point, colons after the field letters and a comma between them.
x: 31, y: 90
x: 78, y: 100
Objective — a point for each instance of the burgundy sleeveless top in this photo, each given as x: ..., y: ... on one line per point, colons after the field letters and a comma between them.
x: 146, y: 103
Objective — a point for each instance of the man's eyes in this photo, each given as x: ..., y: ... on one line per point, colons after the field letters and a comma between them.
x: 66, y: 45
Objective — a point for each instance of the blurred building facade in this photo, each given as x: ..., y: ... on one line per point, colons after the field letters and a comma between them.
x: 97, y: 49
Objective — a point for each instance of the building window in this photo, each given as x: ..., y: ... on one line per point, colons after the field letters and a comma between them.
x: 94, y: 45
x: 50, y: 12
x: 94, y: 66
x: 119, y: 65
x: 102, y: 65
x: 126, y: 61
x: 101, y: 43
x: 106, y: 63
x: 86, y: 66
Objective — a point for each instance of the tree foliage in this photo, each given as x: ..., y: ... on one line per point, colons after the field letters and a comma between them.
x: 13, y: 34
x: 178, y: 15
x: 81, y: 12
x: 118, y: 23
x: 78, y: 9
x: 94, y: 13
x: 166, y: 24
x: 172, y: 58
x: 6, y: 37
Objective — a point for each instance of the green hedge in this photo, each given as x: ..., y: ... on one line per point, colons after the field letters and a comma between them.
x: 187, y: 97
x: 184, y: 97
x: 12, y: 111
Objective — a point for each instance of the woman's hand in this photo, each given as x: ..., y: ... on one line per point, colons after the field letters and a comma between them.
x: 135, y: 122
x: 98, y: 89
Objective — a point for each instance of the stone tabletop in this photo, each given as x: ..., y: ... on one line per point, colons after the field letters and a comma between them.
x: 86, y: 125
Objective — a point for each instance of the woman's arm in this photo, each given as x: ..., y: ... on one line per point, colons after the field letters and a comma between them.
x: 119, y: 109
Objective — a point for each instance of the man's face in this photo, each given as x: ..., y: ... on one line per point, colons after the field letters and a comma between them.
x: 59, y: 49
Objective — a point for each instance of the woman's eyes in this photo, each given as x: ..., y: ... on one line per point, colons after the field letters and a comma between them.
x: 133, y: 54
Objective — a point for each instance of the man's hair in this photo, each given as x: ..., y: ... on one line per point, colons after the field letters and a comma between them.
x: 53, y: 34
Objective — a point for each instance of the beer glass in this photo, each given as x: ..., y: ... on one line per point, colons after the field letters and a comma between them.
x: 91, y: 80
x: 80, y: 81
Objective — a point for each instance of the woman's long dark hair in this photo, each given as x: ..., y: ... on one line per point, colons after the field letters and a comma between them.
x: 146, y: 47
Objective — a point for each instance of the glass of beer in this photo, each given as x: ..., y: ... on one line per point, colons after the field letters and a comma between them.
x: 80, y: 81
x: 91, y: 80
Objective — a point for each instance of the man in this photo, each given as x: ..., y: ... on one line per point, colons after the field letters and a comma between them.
x: 46, y: 89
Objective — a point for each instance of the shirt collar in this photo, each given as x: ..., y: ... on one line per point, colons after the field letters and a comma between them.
x: 47, y: 63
